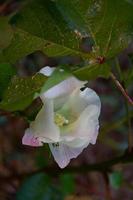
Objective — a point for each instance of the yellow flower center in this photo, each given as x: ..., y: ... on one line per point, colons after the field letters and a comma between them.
x: 60, y: 120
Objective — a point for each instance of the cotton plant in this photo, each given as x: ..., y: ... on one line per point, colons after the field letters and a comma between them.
x: 68, y: 120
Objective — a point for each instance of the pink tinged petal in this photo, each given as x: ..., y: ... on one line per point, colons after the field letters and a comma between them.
x: 64, y: 88
x: 44, y: 127
x: 47, y: 71
x: 63, y: 153
x: 30, y: 139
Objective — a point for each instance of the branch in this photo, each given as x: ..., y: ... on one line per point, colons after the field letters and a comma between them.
x: 120, y: 87
x: 102, y: 167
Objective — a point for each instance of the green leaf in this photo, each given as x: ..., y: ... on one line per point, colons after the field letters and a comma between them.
x: 116, y: 179
x: 58, y: 27
x: 44, y: 25
x: 6, y: 33
x: 59, y: 75
x: 38, y: 187
x: 21, y: 92
x: 62, y: 24
x: 24, y: 43
x: 108, y: 23
x: 6, y: 73
x: 93, y: 71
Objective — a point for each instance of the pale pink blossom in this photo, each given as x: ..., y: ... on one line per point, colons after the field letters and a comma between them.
x: 67, y: 121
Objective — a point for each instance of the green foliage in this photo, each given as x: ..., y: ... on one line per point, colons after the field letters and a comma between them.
x: 116, y: 179
x: 6, y: 33
x: 67, y: 184
x: 93, y: 71
x: 24, y: 43
x: 59, y: 26
x: 108, y: 23
x: 42, y: 19
x: 57, y: 29
x: 38, y: 187
x: 6, y: 73
x: 21, y: 92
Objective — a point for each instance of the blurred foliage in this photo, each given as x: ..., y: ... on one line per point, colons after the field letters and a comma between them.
x: 6, y: 73
x: 116, y: 179
x: 67, y: 184
x: 21, y: 92
x: 38, y: 187
x: 6, y: 33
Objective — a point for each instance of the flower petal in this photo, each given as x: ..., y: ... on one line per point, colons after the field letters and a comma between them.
x: 47, y: 71
x: 63, y: 153
x: 30, y: 139
x: 64, y: 88
x: 44, y: 127
x: 80, y: 100
x: 84, y: 130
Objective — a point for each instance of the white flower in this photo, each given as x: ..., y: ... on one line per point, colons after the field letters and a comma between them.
x: 68, y: 120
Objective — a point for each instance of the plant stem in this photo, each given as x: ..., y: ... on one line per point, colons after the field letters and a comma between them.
x: 121, y: 88
x: 130, y: 136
